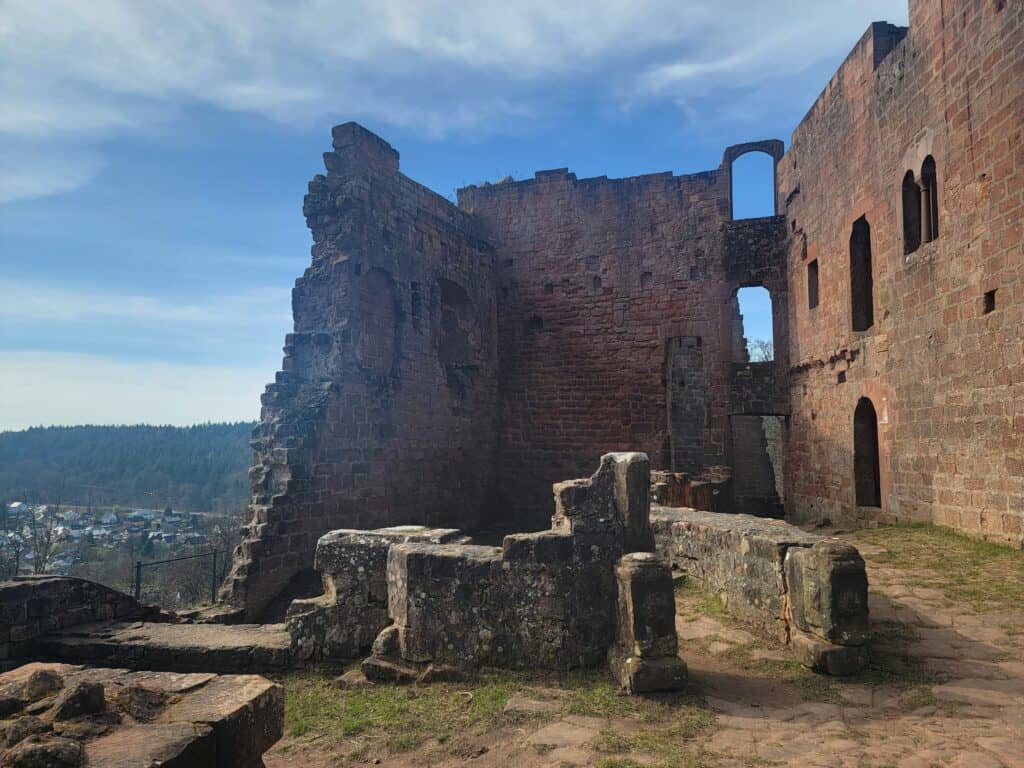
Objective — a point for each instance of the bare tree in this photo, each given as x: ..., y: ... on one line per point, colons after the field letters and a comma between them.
x: 11, y: 548
x: 761, y: 350
x: 43, y: 536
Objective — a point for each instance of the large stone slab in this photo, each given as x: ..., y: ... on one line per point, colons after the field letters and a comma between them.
x: 152, y: 719
x: 171, y: 647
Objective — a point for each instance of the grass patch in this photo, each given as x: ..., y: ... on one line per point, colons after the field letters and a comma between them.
x: 393, y: 719
x: 667, y: 746
x: 985, y: 575
x: 693, y: 600
x: 380, y: 720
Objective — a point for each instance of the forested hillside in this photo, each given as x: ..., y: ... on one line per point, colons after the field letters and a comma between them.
x: 200, y: 468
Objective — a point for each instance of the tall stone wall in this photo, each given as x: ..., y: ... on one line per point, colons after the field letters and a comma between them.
x: 943, y: 361
x: 600, y: 282
x: 384, y: 412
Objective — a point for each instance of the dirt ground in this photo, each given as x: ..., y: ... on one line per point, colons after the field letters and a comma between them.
x: 945, y: 688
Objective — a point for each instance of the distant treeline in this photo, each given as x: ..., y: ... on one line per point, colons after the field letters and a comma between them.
x: 196, y: 469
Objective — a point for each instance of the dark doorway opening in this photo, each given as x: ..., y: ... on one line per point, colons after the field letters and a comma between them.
x: 866, y: 473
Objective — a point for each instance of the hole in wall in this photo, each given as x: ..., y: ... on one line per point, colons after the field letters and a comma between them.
x: 753, y: 186
x: 597, y: 283
x: 841, y: 378
x: 755, y: 338
x: 535, y: 323
x: 989, y: 302
x: 646, y: 280
x: 549, y: 288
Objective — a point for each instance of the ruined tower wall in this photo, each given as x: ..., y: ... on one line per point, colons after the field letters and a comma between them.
x: 598, y: 280
x: 943, y: 368
x: 384, y: 411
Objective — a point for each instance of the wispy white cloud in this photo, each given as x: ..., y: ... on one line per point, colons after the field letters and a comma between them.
x: 84, y: 71
x: 39, y: 388
x: 32, y: 302
x: 30, y: 172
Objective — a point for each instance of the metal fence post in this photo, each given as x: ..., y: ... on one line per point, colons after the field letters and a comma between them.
x: 213, y: 579
x: 138, y: 579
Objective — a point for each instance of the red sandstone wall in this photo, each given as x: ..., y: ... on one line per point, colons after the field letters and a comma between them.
x: 946, y: 379
x: 595, y: 278
x: 385, y: 410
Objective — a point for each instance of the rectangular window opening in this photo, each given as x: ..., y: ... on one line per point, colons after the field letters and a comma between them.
x: 989, y: 303
x: 812, y: 284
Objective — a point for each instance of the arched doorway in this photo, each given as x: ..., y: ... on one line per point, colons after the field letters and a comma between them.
x: 866, y: 473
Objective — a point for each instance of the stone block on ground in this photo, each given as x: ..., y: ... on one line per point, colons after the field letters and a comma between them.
x: 117, y: 718
x: 644, y: 657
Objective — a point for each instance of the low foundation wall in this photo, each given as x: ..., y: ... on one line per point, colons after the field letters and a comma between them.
x: 541, y: 600
x: 803, y: 589
x: 343, y: 622
x: 31, y: 606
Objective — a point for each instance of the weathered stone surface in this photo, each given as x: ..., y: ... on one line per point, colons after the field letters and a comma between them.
x: 81, y: 698
x: 343, y: 622
x: 827, y: 586
x: 246, y: 713
x: 157, y: 745
x: 42, y: 751
x: 172, y: 647
x: 42, y: 682
x: 20, y: 728
x: 798, y: 587
x: 33, y: 606
x: 644, y: 657
x: 117, y: 717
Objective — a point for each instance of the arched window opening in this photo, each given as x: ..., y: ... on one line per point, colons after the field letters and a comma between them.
x: 755, y: 338
x: 866, y: 474
x: 929, y: 201
x: 911, y: 213
x: 753, y: 186
x: 861, y: 280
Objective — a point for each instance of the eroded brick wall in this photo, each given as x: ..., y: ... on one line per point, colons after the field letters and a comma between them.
x: 598, y: 280
x: 945, y: 376
x: 384, y: 412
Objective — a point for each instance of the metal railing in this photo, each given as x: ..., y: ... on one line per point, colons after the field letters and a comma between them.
x: 214, y: 579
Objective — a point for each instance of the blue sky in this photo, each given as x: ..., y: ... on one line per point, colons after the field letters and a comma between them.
x: 153, y: 156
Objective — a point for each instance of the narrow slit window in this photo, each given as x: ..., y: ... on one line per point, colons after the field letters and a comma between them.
x: 911, y: 213
x: 812, y: 284
x: 929, y: 201
x: 862, y: 282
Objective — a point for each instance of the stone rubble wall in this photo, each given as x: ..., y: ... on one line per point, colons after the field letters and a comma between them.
x: 710, y: 490
x: 799, y: 588
x: 32, y: 606
x: 385, y: 408
x: 546, y: 599
x: 343, y: 622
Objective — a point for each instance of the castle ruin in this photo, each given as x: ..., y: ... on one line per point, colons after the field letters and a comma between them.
x: 449, y: 363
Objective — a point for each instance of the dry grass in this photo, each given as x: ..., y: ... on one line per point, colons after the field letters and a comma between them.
x: 986, y: 576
